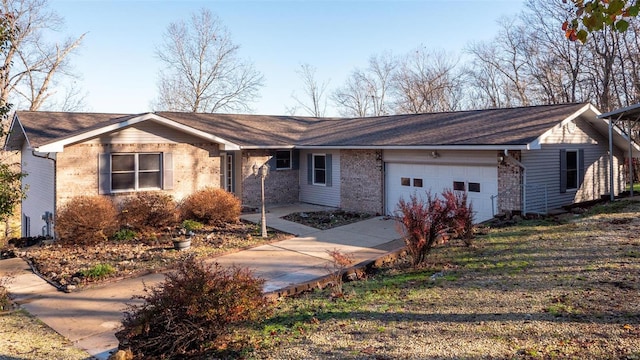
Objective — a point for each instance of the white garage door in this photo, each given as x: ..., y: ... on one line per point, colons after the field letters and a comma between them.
x: 480, y: 182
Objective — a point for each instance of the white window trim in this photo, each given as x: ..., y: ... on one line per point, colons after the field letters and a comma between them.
x: 290, y: 160
x: 575, y: 151
x: 136, y: 172
x: 313, y: 165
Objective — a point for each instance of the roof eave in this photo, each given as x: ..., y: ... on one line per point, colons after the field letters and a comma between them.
x: 15, y: 121
x: 58, y: 146
x: 536, y: 144
x: 499, y: 147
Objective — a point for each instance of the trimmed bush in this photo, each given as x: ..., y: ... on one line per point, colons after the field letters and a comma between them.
x: 148, y: 211
x: 211, y: 206
x: 86, y: 220
x: 193, y: 312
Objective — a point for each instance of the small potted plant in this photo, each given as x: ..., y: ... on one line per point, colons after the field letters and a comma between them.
x: 182, y: 239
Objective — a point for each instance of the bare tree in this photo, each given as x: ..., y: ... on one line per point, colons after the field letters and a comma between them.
x: 203, y: 71
x: 314, y: 101
x: 32, y: 67
x: 355, y: 97
x: 427, y: 81
x: 365, y: 92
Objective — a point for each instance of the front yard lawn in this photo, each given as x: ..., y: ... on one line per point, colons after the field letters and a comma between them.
x: 537, y: 290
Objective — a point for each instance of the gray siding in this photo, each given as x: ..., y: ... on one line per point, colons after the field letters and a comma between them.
x: 146, y: 132
x: 318, y: 194
x: 543, y: 166
x: 39, y: 185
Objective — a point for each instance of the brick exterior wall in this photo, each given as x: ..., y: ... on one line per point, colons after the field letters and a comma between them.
x: 195, y: 166
x: 361, y: 180
x: 281, y: 186
x: 510, y: 183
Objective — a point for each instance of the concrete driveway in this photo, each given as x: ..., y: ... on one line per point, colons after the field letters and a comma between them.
x: 90, y: 318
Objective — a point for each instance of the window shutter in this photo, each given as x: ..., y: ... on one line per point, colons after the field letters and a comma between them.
x: 563, y: 171
x: 272, y: 163
x: 309, y: 169
x: 104, y: 174
x: 328, y: 172
x: 580, y: 167
x: 167, y: 171
x: 295, y: 159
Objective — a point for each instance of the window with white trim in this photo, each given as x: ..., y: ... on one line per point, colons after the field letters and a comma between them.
x: 137, y: 171
x: 319, y: 169
x: 283, y: 159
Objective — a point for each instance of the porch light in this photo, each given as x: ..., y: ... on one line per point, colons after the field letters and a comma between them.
x: 262, y: 171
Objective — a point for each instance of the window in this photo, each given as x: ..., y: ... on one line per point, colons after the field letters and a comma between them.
x: 130, y: 172
x: 319, y: 170
x: 458, y: 185
x: 283, y: 159
x: 474, y: 187
x: 572, y: 170
x: 405, y: 181
x: 417, y: 182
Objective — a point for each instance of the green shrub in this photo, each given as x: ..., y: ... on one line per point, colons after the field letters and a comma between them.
x: 86, y: 220
x: 193, y: 312
x: 124, y: 235
x: 211, y: 206
x: 99, y: 271
x: 148, y: 211
x: 191, y: 225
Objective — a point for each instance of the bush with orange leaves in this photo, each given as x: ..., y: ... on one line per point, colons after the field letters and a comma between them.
x: 86, y: 220
x: 211, y: 206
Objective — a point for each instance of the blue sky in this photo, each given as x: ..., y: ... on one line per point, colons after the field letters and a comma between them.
x: 118, y: 65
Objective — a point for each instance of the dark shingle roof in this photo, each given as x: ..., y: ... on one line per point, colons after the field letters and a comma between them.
x: 43, y: 127
x: 512, y: 126
x: 247, y: 130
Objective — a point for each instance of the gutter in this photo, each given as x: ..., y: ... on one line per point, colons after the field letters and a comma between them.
x: 55, y: 182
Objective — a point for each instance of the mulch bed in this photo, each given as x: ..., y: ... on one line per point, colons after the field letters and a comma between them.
x: 324, y: 220
x: 65, y: 266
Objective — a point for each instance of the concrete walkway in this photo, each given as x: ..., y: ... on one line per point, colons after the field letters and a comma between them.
x: 90, y: 318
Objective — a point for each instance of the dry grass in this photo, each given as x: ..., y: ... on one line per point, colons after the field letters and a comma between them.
x: 24, y: 337
x: 539, y: 290
x: 534, y: 291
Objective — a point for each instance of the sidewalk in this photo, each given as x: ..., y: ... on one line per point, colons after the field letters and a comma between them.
x: 90, y: 318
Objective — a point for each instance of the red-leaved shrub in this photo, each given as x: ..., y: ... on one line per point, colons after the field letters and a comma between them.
x: 193, y: 311
x: 211, y: 206
x: 423, y: 222
x: 461, y: 216
x: 86, y: 220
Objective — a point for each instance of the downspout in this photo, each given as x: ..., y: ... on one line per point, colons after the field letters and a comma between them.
x: 55, y: 182
x: 524, y: 179
x: 611, y: 186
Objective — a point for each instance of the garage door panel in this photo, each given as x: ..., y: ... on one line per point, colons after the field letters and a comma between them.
x: 436, y: 178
